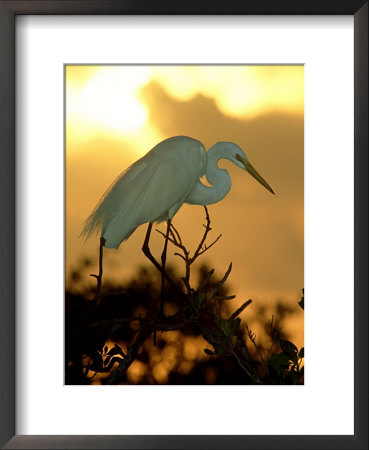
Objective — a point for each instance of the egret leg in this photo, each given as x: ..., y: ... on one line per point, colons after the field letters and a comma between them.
x: 146, y: 249
x: 99, y: 276
x: 147, y: 253
x: 163, y: 261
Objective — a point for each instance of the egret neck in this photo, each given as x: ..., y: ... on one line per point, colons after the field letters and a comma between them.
x: 218, y: 178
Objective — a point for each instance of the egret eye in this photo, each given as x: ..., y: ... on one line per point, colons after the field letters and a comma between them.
x: 241, y: 159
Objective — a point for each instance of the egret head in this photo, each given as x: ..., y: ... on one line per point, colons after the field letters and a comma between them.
x: 240, y: 159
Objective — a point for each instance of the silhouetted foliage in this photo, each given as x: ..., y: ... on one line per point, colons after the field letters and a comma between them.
x: 118, y: 337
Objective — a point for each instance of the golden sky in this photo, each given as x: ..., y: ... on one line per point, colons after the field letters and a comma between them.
x: 115, y: 114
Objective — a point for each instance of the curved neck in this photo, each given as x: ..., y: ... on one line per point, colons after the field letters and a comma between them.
x: 219, y: 178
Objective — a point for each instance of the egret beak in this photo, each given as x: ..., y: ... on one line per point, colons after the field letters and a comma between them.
x: 250, y: 169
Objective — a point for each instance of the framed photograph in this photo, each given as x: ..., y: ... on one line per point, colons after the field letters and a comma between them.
x: 184, y: 224
x: 180, y: 321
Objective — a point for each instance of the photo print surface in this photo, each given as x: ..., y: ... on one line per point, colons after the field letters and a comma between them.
x: 184, y: 210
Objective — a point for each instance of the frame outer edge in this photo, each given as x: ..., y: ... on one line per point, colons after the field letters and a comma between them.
x: 7, y: 264
x: 176, y: 442
x: 7, y: 224
x: 361, y: 224
x: 190, y: 7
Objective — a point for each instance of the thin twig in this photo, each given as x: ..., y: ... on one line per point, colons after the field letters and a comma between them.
x: 203, y: 239
x: 252, y: 336
x: 148, y: 327
x: 176, y: 240
x: 207, y: 247
x: 275, y: 333
x: 114, y: 321
x: 178, y: 236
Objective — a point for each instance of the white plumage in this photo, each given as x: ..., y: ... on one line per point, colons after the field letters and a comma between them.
x: 154, y: 188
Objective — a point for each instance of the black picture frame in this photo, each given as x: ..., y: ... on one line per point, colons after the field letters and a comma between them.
x: 8, y: 12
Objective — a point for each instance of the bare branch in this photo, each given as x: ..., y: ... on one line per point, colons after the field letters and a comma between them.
x: 187, y: 284
x: 203, y: 239
x: 181, y: 256
x: 114, y: 321
x: 170, y: 239
x: 173, y: 229
x: 175, y: 322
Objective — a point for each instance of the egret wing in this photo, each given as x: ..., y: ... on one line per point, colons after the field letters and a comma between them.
x: 152, y: 189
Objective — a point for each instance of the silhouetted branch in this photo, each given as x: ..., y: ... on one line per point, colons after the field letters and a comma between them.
x: 190, y: 313
x: 202, y: 248
x: 176, y: 240
x: 148, y: 327
x: 203, y: 308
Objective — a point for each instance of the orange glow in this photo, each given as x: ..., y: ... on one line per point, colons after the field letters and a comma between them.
x: 107, y: 101
x: 237, y: 90
x: 104, y: 99
x: 115, y: 114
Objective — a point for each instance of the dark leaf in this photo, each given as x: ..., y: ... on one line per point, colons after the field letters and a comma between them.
x: 97, y: 361
x: 224, y: 326
x: 234, y: 325
x: 240, y: 309
x: 111, y: 364
x: 294, y: 377
x: 230, y: 326
x: 107, y: 359
x: 116, y: 350
x: 209, y: 352
x: 279, y: 361
x: 119, y: 350
x: 219, y: 335
x: 116, y: 327
x: 289, y: 348
x: 301, y: 352
x: 301, y: 302
x: 201, y: 298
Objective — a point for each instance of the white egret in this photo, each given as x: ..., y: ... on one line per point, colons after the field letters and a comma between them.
x: 155, y: 187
